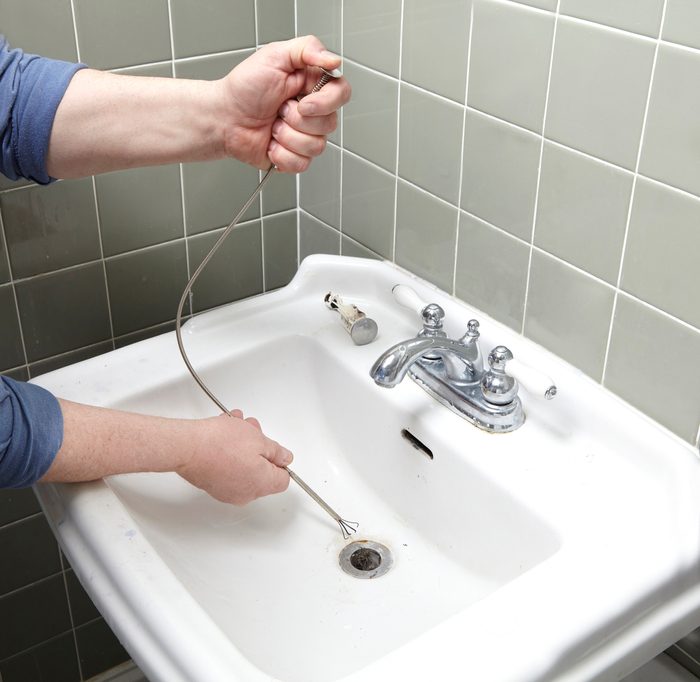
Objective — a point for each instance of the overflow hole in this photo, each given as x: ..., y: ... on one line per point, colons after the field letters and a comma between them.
x: 417, y: 443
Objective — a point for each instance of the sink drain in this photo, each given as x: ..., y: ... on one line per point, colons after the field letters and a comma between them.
x: 365, y: 559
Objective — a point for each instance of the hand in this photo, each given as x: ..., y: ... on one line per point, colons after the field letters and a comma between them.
x: 234, y: 461
x: 267, y: 123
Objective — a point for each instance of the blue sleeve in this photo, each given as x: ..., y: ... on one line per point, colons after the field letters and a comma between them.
x: 31, y: 432
x: 31, y: 88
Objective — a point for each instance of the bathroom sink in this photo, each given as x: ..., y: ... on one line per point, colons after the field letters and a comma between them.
x: 566, y: 550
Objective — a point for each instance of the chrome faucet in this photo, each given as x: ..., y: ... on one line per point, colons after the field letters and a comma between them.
x: 453, y: 372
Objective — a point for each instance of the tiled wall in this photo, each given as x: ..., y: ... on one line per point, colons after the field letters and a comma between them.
x: 90, y: 265
x: 538, y: 159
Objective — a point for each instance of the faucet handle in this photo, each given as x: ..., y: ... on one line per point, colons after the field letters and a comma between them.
x: 497, y: 387
x: 533, y: 380
x: 408, y: 298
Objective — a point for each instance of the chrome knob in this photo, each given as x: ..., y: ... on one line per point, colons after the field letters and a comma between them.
x: 499, y: 388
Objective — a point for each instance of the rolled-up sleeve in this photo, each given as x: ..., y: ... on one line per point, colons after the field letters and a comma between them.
x: 31, y: 88
x: 31, y: 432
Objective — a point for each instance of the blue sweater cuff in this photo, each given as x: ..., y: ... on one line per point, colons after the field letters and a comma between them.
x: 31, y: 432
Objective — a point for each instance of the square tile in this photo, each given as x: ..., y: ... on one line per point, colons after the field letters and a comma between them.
x: 210, y: 68
x: 682, y: 22
x: 279, y: 194
x: 39, y: 612
x: 145, y: 286
x: 143, y: 334
x: 351, y: 248
x: 212, y: 26
x: 635, y: 340
x: 499, y: 182
x: 319, y: 192
x: 11, y: 353
x: 541, y: 4
x: 669, y: 150
x: 661, y: 257
x: 17, y: 504
x: 4, y: 263
x: 124, y: 33
x: 82, y: 608
x: 63, y: 311
x: 235, y: 270
x: 368, y: 205
x: 598, y: 91
x: 50, y: 227
x: 18, y: 374
x: 426, y: 235
x: 51, y: 36
x: 485, y: 255
x: 54, y: 660
x: 371, y: 33
x: 316, y: 237
x: 139, y: 207
x: 34, y: 553
x: 71, y: 357
x: 370, y: 117
x: 321, y: 18
x: 275, y: 20
x: 98, y: 648
x: 638, y: 16
x: 582, y: 211
x: 429, y: 154
x: 511, y: 48
x: 280, y: 240
x: 569, y: 313
x: 436, y: 45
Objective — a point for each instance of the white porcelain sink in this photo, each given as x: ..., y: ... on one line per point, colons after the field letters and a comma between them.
x: 567, y: 550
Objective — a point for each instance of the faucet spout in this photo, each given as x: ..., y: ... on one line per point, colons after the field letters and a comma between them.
x: 392, y: 365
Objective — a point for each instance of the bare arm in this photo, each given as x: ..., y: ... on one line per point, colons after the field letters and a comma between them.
x: 228, y: 457
x: 107, y: 121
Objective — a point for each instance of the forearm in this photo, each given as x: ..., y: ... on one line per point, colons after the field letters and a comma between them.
x: 99, y: 442
x: 130, y: 121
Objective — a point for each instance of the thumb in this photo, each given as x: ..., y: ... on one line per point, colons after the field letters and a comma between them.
x: 310, y: 51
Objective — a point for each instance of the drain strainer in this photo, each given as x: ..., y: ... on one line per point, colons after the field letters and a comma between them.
x: 365, y: 559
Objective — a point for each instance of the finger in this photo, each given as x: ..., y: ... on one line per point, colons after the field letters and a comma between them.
x: 254, y: 422
x: 308, y: 51
x: 298, y: 142
x: 278, y: 480
x: 236, y: 413
x: 285, y: 160
x: 277, y: 455
x: 327, y: 100
x: 313, y: 125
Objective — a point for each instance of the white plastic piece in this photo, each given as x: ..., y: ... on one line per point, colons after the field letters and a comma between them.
x: 408, y: 298
x: 532, y: 380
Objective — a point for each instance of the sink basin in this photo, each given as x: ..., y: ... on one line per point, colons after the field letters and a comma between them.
x: 566, y: 550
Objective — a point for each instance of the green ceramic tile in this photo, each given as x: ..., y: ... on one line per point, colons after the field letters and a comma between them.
x: 426, y: 231
x: 682, y: 22
x: 582, y: 211
x: 39, y: 612
x: 11, y: 354
x: 279, y: 194
x: 321, y: 18
x: 500, y: 173
x: 6, y: 183
x: 234, y: 272
x: 429, y: 154
x: 50, y: 227
x: 125, y: 33
x: 315, y: 237
x: 40, y: 27
x: 280, y: 239
x: 69, y: 358
x: 145, y: 286
x: 349, y: 247
x: 372, y: 31
x: 81, y: 606
x: 661, y: 258
x: 17, y: 504
x: 509, y: 66
x: 148, y: 333
x: 210, y: 68
x: 163, y: 70
x: 636, y: 332
x: 4, y: 265
x: 18, y: 374
x: 436, y: 45
x: 569, y: 313
x: 34, y: 553
x: 212, y: 26
x: 598, y: 90
x: 98, y: 648
x: 275, y: 20
x: 63, y: 311
x: 139, y: 207
x: 540, y: 4
x: 639, y: 16
x: 54, y: 660
x: 669, y: 151
x: 370, y: 117
x: 319, y: 192
x: 368, y: 205
x: 486, y: 255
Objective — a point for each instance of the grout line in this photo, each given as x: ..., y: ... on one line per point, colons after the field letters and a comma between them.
x: 46, y: 578
x: 632, y: 195
x: 16, y: 522
x: 77, y: 42
x: 461, y: 153
x: 260, y: 173
x: 342, y: 141
x: 70, y: 615
x: 539, y: 168
x: 697, y: 438
x: 398, y: 134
